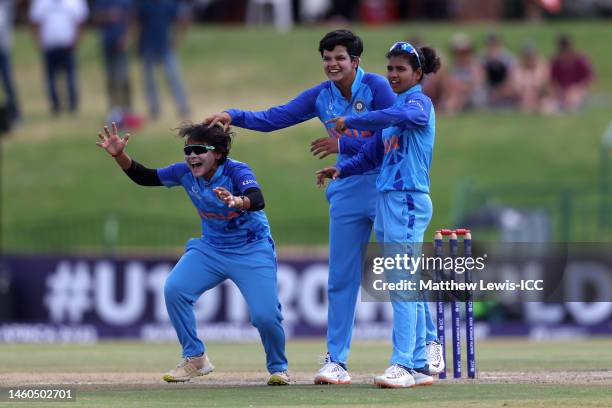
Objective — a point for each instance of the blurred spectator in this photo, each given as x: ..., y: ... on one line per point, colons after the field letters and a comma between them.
x: 464, y: 87
x: 532, y: 79
x: 570, y: 75
x: 6, y: 42
x: 342, y: 11
x: 499, y: 65
x: 160, y: 22
x: 58, y: 27
x: 114, y: 17
x: 535, y: 8
x: 432, y: 84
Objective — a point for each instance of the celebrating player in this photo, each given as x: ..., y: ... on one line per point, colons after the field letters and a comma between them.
x: 350, y: 90
x: 236, y: 243
x: 403, y: 151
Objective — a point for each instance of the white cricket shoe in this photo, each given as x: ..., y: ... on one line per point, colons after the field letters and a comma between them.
x: 435, y: 358
x: 395, y: 376
x: 422, y: 377
x: 189, y: 368
x: 332, y: 373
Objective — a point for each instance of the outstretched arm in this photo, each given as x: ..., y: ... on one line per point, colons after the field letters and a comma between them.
x: 115, y: 146
x: 414, y: 113
x: 298, y: 110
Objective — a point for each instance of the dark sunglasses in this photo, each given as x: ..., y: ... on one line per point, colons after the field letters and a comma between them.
x: 407, y: 48
x: 197, y: 149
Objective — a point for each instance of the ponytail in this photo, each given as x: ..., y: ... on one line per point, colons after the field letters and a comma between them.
x: 431, y: 61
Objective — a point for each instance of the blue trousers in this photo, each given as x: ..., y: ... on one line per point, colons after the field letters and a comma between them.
x: 403, y: 217
x: 352, y: 210
x: 56, y: 60
x: 252, y: 268
x: 173, y: 76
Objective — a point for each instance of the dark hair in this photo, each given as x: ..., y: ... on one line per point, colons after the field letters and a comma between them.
x: 214, y: 136
x: 346, y: 38
x: 428, y: 61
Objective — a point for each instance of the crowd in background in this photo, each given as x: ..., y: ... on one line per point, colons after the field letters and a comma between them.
x: 57, y: 27
x: 491, y: 78
x: 496, y: 79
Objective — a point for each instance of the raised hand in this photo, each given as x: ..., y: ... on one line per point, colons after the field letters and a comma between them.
x: 340, y: 125
x: 111, y: 142
x: 227, y: 197
x: 324, y: 146
x: 326, y: 172
x: 222, y: 118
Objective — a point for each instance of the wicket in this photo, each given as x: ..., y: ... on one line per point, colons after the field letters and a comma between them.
x: 455, y: 305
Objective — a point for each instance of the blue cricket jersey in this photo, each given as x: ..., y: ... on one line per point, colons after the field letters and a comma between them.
x: 222, y: 226
x: 369, y: 92
x: 404, y: 149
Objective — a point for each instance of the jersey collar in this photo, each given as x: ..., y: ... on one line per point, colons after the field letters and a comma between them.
x: 408, y: 92
x: 215, y: 176
x: 354, y: 87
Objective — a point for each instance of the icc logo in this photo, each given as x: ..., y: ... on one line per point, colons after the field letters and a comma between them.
x: 359, y: 106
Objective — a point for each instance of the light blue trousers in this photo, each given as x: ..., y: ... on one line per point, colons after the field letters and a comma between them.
x: 252, y: 268
x: 352, y: 210
x: 403, y: 217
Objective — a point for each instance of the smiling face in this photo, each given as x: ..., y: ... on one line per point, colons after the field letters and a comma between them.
x: 339, y: 66
x: 400, y: 74
x: 204, y: 164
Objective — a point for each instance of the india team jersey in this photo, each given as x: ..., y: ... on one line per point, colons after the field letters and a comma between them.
x: 404, y: 148
x: 369, y: 92
x: 222, y: 226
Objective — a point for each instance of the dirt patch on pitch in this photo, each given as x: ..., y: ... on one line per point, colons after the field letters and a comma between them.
x: 139, y: 379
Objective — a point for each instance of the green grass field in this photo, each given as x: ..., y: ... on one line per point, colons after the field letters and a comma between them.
x: 58, y: 189
x: 511, y: 373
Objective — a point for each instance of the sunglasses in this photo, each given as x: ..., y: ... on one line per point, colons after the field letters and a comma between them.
x: 407, y: 48
x: 197, y: 149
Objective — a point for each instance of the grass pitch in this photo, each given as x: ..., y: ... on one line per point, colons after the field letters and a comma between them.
x: 511, y: 373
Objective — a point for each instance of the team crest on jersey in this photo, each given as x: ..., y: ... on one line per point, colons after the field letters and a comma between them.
x: 359, y: 105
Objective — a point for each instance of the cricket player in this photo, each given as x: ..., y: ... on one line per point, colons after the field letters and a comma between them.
x: 403, y: 151
x: 235, y: 244
x: 352, y: 200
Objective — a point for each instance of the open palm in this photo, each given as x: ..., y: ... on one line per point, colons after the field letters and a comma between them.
x: 111, y: 142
